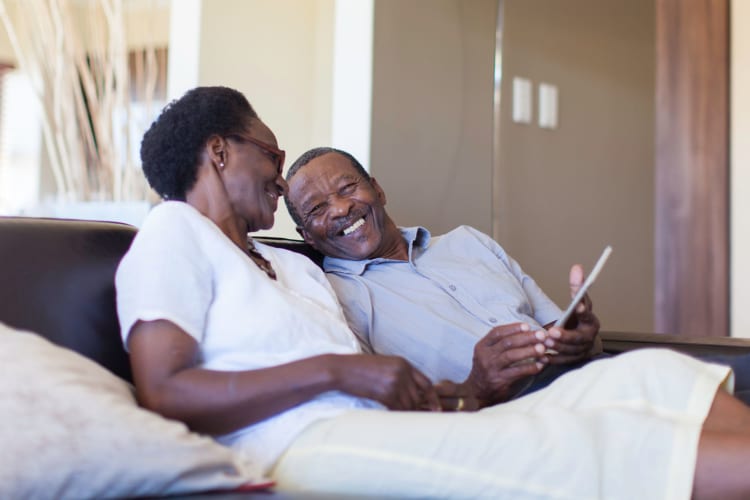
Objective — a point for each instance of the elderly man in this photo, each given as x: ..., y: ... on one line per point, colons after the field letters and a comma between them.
x: 456, y: 306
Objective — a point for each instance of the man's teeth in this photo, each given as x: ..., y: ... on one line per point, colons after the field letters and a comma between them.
x: 353, y: 227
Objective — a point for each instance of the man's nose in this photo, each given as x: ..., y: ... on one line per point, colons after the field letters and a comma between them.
x: 339, y: 206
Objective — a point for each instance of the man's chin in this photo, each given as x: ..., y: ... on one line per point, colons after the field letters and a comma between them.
x: 347, y: 252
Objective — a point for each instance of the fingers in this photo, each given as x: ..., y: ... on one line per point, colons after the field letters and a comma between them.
x: 426, y: 391
x: 522, y: 355
x: 391, y: 380
x: 447, y: 389
x: 410, y: 389
x: 573, y: 345
x: 575, y: 278
x: 502, y: 350
x: 560, y: 337
x: 507, y: 337
x: 504, y: 331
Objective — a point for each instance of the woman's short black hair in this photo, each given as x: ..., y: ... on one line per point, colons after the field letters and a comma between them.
x: 171, y: 147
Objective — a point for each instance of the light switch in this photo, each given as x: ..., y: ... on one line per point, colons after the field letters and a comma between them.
x: 547, y: 105
x: 522, y: 93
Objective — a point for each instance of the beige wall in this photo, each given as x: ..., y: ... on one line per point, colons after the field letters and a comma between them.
x: 279, y: 54
x: 432, y: 91
x: 564, y: 194
x: 740, y: 168
x: 431, y: 104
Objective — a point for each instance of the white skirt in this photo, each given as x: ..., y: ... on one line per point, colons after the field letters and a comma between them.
x: 619, y: 428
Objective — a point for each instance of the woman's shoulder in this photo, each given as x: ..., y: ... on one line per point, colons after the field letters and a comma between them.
x: 172, y: 218
x: 170, y: 224
x: 170, y: 212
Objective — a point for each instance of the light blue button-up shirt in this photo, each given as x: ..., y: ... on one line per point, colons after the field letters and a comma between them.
x: 435, y: 307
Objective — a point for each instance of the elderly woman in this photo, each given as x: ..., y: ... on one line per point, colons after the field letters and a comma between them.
x: 247, y: 343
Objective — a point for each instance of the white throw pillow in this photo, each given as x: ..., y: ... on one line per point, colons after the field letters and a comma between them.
x: 71, y: 429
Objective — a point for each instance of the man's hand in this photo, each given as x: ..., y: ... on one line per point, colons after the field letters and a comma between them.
x: 391, y: 380
x: 579, y: 339
x: 456, y: 397
x: 507, y: 355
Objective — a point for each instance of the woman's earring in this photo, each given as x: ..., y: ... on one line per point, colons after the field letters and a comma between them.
x: 221, y: 164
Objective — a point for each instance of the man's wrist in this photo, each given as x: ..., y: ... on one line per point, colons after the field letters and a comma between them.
x: 471, y: 389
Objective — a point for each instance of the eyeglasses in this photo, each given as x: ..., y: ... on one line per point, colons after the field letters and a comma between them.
x: 277, y: 155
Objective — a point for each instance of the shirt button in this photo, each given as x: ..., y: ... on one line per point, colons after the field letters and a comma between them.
x: 493, y: 320
x: 452, y: 287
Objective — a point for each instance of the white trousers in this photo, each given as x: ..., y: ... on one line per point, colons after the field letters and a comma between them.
x: 619, y: 428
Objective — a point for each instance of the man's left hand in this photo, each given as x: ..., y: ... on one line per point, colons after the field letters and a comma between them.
x: 579, y: 339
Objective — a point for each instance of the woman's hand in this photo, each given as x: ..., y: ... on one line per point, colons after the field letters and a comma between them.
x: 390, y: 380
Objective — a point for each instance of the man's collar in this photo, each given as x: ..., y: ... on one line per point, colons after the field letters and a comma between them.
x: 414, y: 236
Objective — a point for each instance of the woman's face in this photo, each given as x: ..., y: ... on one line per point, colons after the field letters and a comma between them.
x: 252, y: 175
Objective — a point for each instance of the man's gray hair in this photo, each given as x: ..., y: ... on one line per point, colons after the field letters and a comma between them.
x: 306, y: 158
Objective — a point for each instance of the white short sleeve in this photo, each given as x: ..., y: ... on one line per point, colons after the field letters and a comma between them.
x: 164, y: 275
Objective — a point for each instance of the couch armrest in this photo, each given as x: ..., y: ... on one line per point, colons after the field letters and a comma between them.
x: 617, y: 342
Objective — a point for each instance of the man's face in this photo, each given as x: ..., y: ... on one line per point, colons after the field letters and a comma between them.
x: 342, y: 213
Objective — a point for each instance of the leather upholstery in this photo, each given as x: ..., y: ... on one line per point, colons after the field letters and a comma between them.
x: 57, y: 279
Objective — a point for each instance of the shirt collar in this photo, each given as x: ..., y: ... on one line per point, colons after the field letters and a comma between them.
x: 417, y: 236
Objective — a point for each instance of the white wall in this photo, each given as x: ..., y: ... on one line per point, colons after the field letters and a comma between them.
x: 352, y: 78
x: 740, y: 169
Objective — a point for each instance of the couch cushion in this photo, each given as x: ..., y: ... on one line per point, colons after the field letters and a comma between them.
x: 70, y: 429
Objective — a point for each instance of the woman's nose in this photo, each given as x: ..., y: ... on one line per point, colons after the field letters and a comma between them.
x: 282, y: 185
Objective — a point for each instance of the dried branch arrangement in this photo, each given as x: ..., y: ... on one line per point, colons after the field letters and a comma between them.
x: 76, y: 56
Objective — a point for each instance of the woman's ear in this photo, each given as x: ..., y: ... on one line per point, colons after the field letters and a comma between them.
x: 216, y: 149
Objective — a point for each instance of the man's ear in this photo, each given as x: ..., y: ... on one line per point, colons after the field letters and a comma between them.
x: 378, y: 190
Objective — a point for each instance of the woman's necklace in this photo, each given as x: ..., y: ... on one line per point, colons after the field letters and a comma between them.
x: 259, y: 260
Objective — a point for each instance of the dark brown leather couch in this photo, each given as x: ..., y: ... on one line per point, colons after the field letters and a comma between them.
x: 57, y: 279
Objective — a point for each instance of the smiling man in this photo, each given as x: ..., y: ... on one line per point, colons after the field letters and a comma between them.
x: 456, y: 306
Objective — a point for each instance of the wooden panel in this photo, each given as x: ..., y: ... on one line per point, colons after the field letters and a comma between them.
x: 691, y: 240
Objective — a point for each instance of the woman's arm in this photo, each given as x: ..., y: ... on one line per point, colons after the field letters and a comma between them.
x: 168, y: 381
